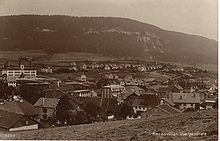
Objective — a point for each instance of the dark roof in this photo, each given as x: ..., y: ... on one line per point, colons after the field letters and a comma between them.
x: 168, y: 101
x: 178, y: 87
x: 169, y: 109
x: 53, y: 93
x: 8, y: 119
x: 138, y: 102
x: 132, y: 90
x: 66, y: 87
x: 47, y: 102
x: 164, y: 108
x: 23, y: 108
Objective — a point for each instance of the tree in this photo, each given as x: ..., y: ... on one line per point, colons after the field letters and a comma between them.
x: 63, y: 107
x: 76, y: 116
x: 92, y: 111
x: 123, y: 110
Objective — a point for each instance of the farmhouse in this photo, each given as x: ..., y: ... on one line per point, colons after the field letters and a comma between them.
x: 18, y: 115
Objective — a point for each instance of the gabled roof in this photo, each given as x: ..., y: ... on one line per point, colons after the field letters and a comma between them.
x: 8, y: 119
x: 54, y: 93
x: 169, y: 109
x: 164, y: 108
x: 129, y: 90
x: 168, y: 101
x: 178, y: 87
x: 66, y: 87
x: 23, y: 107
x: 47, y: 102
x: 114, y: 86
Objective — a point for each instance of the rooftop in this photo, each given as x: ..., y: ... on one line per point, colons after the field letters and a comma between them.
x: 19, y: 107
x: 114, y: 86
x: 46, y: 102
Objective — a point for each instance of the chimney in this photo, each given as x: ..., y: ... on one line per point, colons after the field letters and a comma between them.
x: 43, y: 100
x: 58, y: 83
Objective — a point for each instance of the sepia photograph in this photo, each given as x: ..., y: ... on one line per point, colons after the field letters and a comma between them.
x: 117, y: 70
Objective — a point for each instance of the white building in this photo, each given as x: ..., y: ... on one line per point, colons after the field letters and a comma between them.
x: 46, y: 70
x: 15, y: 73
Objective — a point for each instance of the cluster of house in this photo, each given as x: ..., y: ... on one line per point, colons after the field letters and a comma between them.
x: 147, y: 97
x: 87, y: 66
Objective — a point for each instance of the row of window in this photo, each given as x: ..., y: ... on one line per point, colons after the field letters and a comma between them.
x: 140, y: 108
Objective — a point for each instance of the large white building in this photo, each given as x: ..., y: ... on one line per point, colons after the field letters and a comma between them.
x: 15, y: 73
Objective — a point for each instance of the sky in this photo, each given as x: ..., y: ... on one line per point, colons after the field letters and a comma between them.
x: 197, y: 17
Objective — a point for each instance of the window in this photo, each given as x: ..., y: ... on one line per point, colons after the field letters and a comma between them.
x: 44, y: 116
x: 44, y: 110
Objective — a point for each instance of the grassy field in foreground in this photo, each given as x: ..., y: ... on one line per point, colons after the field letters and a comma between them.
x: 202, y: 122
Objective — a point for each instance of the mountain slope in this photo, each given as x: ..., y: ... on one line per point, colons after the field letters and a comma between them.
x: 103, y: 35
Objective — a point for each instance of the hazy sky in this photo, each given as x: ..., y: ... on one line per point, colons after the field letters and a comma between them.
x: 190, y: 16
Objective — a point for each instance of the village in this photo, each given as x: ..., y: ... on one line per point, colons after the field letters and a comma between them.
x: 35, y: 95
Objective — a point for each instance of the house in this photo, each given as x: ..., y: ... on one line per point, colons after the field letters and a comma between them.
x: 52, y: 93
x: 12, y: 83
x: 209, y: 103
x: 46, y: 107
x: 176, y: 88
x: 73, y: 68
x: 83, y: 78
x: 19, y: 106
x: 46, y: 70
x: 128, y: 80
x: 139, y: 106
x: 107, y: 67
x: 18, y: 115
x: 149, y: 80
x: 161, y: 90
x: 94, y: 65
x: 145, y: 102
x: 10, y: 121
x: 130, y: 93
x: 72, y: 63
x: 93, y: 93
x: 184, y: 101
x: 84, y: 66
x: 160, y: 110
x: 111, y: 76
x: 84, y: 93
x: 142, y: 69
